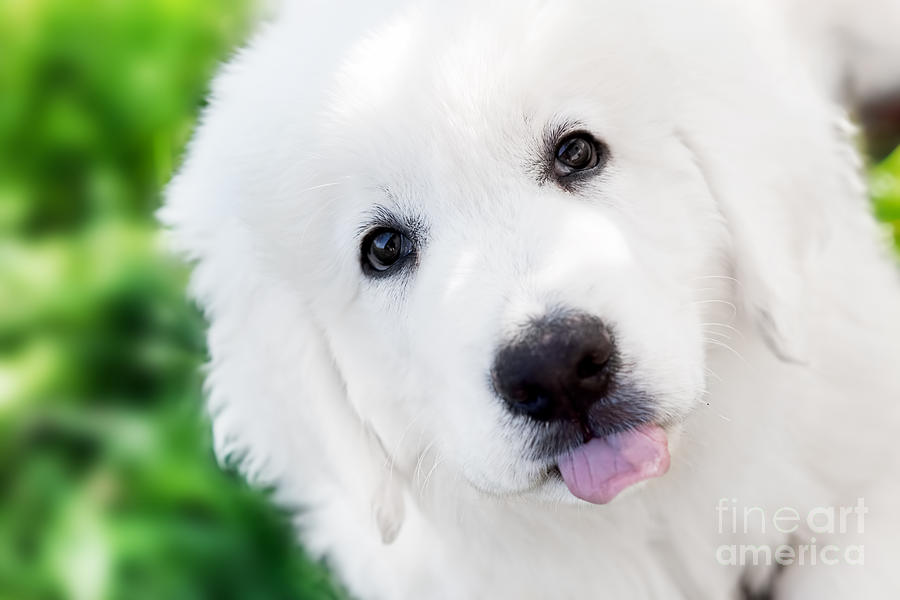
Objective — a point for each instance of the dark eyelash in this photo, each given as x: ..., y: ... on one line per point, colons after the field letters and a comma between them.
x: 381, y: 217
x: 542, y: 167
x: 557, y: 132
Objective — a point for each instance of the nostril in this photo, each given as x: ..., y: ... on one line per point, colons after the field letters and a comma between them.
x: 590, y: 365
x: 530, y: 399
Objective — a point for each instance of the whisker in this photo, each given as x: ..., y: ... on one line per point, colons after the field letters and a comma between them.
x: 712, y: 374
x: 418, y: 470
x: 727, y: 347
x: 318, y: 187
x: 396, y: 450
x: 718, y: 334
x: 725, y: 277
x: 437, y: 463
x: 725, y: 326
x: 731, y: 305
x: 716, y: 301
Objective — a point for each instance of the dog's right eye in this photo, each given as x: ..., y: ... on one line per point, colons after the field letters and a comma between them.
x: 577, y: 153
x: 384, y: 248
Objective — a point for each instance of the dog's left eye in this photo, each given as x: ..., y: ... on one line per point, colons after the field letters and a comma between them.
x: 575, y: 153
x: 383, y: 248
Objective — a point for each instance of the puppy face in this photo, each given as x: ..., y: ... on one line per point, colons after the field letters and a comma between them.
x: 507, y: 246
x: 502, y: 241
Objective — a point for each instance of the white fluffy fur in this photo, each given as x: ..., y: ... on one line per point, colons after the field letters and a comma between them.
x: 729, y: 240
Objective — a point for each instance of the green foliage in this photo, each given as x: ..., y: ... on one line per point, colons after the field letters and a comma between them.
x: 109, y: 487
x: 885, y: 186
x: 98, y: 97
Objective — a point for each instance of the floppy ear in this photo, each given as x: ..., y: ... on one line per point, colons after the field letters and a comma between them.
x: 771, y: 285
x: 275, y: 395
x: 772, y: 234
x: 353, y: 455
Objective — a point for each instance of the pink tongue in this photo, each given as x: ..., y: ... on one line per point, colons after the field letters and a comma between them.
x: 599, y: 470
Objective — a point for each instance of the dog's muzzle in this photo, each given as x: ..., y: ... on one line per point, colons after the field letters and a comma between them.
x: 563, y: 370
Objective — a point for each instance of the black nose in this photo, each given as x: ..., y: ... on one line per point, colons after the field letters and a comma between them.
x: 557, y: 368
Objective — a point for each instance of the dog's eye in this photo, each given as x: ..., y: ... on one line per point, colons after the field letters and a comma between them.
x: 575, y: 153
x: 383, y: 248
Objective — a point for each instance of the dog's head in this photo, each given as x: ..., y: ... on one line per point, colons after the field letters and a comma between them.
x: 502, y: 242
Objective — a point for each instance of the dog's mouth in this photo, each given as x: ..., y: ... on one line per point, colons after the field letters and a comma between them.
x: 601, y: 468
x: 619, y: 442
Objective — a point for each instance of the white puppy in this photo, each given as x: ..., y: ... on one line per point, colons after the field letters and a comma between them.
x: 570, y: 299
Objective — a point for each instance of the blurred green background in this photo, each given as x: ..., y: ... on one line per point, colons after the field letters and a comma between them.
x: 108, y: 487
